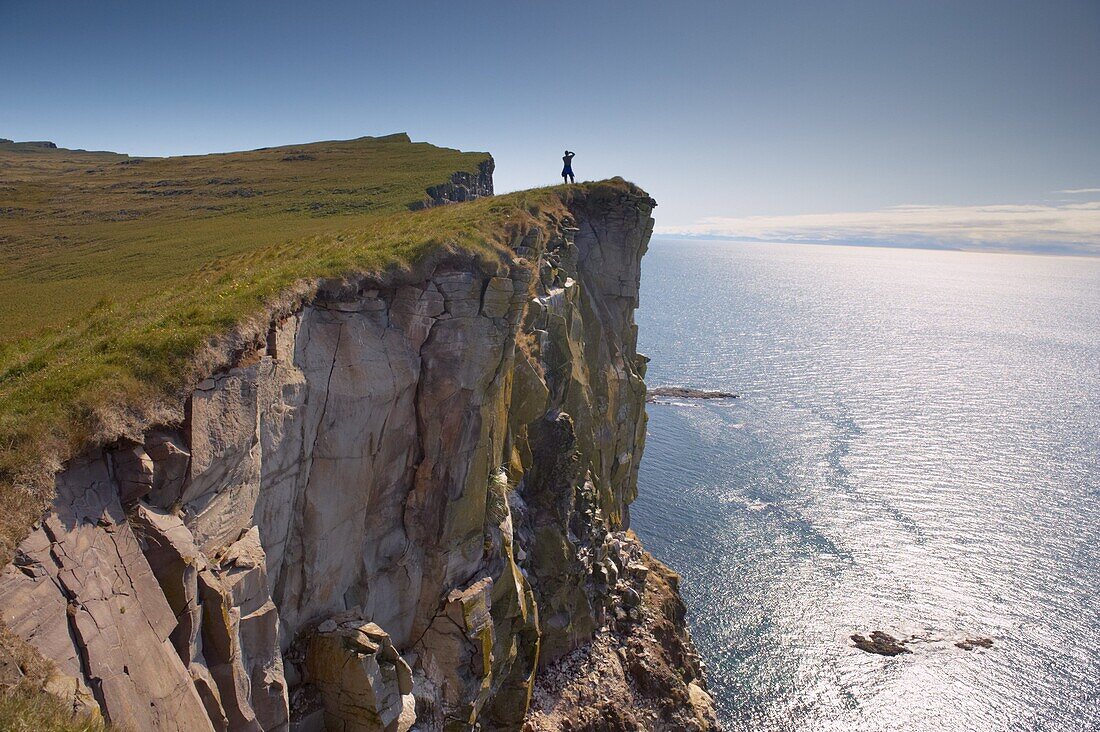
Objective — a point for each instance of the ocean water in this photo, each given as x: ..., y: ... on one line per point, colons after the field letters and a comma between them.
x: 916, y: 450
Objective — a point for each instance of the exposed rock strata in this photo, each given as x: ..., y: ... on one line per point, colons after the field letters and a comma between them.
x: 400, y: 508
x: 461, y: 187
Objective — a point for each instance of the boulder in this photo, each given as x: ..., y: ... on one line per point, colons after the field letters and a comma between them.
x: 365, y: 685
x: 881, y: 643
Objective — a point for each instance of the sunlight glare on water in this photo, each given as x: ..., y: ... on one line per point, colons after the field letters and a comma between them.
x: 916, y: 450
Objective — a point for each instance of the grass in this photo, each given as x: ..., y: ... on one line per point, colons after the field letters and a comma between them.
x: 24, y: 705
x: 76, y: 226
x: 28, y: 710
x: 119, y: 275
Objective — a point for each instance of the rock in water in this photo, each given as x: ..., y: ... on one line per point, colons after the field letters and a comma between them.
x: 881, y: 643
x: 969, y: 644
x: 680, y: 392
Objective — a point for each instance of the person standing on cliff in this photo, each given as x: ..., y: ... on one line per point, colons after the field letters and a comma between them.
x: 567, y: 171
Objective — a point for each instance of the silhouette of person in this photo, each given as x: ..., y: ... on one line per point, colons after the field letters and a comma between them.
x: 567, y: 171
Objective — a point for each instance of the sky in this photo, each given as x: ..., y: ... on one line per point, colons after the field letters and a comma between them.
x: 942, y: 123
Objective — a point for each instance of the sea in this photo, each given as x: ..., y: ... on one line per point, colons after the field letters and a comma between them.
x: 915, y: 449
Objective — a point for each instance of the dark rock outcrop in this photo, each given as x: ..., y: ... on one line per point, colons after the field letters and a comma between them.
x: 681, y: 392
x: 462, y: 186
x: 881, y: 643
x: 885, y: 644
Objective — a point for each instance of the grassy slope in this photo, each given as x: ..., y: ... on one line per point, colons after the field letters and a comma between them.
x: 116, y: 272
x: 78, y: 226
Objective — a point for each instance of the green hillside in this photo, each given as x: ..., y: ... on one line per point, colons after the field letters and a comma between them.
x: 115, y: 271
x: 79, y: 226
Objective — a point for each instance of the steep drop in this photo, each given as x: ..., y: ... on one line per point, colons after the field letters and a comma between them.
x: 394, y: 511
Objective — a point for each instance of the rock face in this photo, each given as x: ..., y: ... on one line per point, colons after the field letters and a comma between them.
x: 363, y: 681
x: 461, y: 187
x: 396, y: 512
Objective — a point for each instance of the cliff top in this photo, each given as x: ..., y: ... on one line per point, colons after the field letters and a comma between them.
x: 121, y: 278
x: 78, y: 226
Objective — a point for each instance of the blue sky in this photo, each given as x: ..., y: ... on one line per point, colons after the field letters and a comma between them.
x: 804, y: 120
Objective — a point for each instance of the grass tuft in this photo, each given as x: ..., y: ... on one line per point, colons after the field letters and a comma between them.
x: 27, y: 710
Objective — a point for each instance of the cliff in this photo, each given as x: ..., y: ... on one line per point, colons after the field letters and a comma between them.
x: 401, y: 501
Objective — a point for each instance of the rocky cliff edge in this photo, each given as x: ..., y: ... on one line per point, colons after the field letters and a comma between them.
x: 404, y: 506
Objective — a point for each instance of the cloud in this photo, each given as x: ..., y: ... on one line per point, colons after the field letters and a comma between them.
x: 1079, y: 190
x: 1068, y: 227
